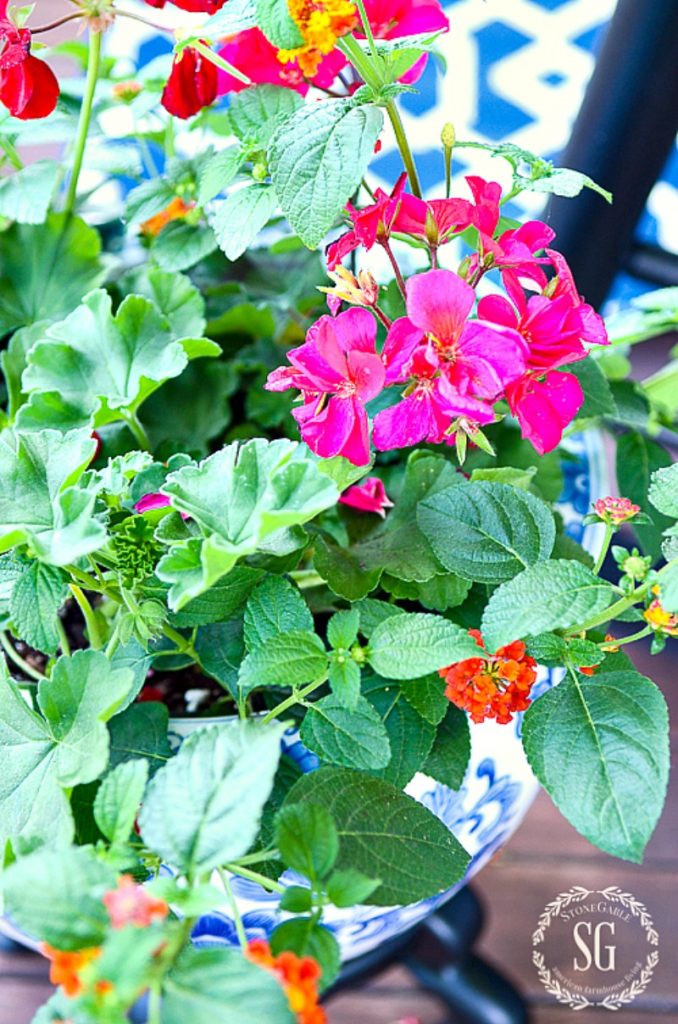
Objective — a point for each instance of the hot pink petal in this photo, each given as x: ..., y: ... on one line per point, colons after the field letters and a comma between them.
x: 488, y: 359
x: 401, y: 341
x: 439, y: 302
x: 150, y: 502
x: 391, y: 20
x: 497, y: 310
x: 355, y: 330
x: 341, y: 428
x: 544, y: 408
x: 369, y: 496
x: 486, y: 196
x: 339, y: 250
x: 366, y: 372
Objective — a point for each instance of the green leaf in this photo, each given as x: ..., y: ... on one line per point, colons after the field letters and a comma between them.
x: 219, y: 171
x: 296, y: 899
x: 663, y: 493
x: 599, y: 746
x: 289, y: 659
x: 598, y: 399
x: 221, y: 649
x: 410, y: 736
x: 550, y: 595
x: 118, y: 799
x: 36, y: 598
x: 487, y: 531
x: 25, y: 196
x: 412, y: 645
x: 140, y: 731
x: 376, y: 822
x: 275, y: 607
x: 203, y: 808
x: 237, y: 16
x: 307, y: 840
x: 562, y: 181
x: 56, y: 897
x: 40, y: 502
x: 64, y: 265
x: 148, y: 199
x: 13, y: 361
x: 173, y: 295
x: 346, y: 573
x: 241, y: 217
x: 40, y: 757
x: 355, y: 737
x: 307, y: 937
x: 638, y: 458
x: 342, y: 629
x: 103, y: 363
x: 238, y: 497
x: 344, y: 679
x: 668, y: 589
x: 209, y: 984
x: 373, y: 613
x: 180, y: 245
x: 274, y: 20
x: 347, y: 888
x: 521, y: 478
x: 222, y: 601
x: 255, y: 113
x: 307, y: 155
x: 427, y: 696
x: 451, y: 750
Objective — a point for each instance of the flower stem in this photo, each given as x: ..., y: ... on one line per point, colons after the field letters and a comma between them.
x: 137, y: 428
x: 640, y: 635
x: 396, y: 269
x: 20, y: 662
x: 55, y: 24
x: 404, y: 147
x: 154, y: 1004
x: 88, y: 615
x: 296, y: 698
x: 233, y: 907
x: 609, y: 533
x: 367, y: 28
x: 93, y: 66
x: 219, y: 61
x: 63, y: 639
x: 254, y: 876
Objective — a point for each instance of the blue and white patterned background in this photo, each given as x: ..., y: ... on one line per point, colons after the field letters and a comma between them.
x: 516, y: 70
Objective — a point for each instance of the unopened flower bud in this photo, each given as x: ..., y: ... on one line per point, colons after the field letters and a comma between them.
x: 432, y: 231
x: 126, y: 91
x: 464, y: 267
x: 448, y: 136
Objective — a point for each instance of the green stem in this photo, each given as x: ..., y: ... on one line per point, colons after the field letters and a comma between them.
x: 220, y: 62
x: 254, y: 876
x: 137, y: 428
x: 404, y: 147
x: 296, y: 698
x: 113, y: 643
x: 93, y: 66
x: 607, y: 539
x: 233, y: 906
x: 307, y: 578
x: 257, y: 858
x: 154, y: 1004
x: 63, y: 639
x: 89, y: 616
x: 367, y: 28
x: 640, y: 635
x: 20, y: 662
x: 351, y: 48
x: 11, y: 153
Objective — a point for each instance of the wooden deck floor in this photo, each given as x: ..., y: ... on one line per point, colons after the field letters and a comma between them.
x: 545, y: 857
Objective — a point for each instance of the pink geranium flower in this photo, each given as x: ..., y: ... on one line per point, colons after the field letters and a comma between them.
x: 369, y: 496
x: 591, y: 324
x: 544, y: 407
x: 339, y: 360
x: 478, y: 358
x: 552, y: 328
x: 435, y: 221
x: 428, y: 408
x: 251, y: 52
x: 153, y: 501
x: 371, y: 224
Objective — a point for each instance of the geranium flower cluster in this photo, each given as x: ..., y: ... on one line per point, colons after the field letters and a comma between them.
x: 450, y: 359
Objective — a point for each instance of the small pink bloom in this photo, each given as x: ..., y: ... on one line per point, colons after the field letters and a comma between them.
x: 486, y: 197
x: 131, y: 904
x: 553, y: 334
x: 251, y: 52
x: 545, y: 407
x: 591, y: 325
x: 369, y: 496
x: 338, y: 359
x: 153, y: 501
x: 371, y: 224
x: 392, y: 19
x: 616, y: 511
x: 434, y: 221
x: 476, y: 357
x: 427, y: 409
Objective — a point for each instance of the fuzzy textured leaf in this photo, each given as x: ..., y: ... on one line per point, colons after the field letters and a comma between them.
x: 413, y: 644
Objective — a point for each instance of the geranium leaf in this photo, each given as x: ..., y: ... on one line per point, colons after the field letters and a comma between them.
x: 106, y: 364
x: 36, y: 598
x: 25, y: 196
x: 307, y: 155
x: 487, y: 531
x: 41, y: 502
x: 204, y: 807
x: 599, y: 746
x: 375, y: 822
x: 65, y: 264
x: 551, y: 595
x: 67, y: 745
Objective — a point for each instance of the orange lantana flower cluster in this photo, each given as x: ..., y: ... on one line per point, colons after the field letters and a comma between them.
x: 496, y: 686
x: 661, y: 621
x: 66, y: 968
x: 298, y: 976
x: 321, y: 23
x: 175, y: 210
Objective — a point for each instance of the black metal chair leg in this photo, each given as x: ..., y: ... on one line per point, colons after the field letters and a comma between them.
x: 622, y: 137
x: 443, y: 963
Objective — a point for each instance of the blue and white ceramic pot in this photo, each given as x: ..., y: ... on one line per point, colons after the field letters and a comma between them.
x: 495, y: 796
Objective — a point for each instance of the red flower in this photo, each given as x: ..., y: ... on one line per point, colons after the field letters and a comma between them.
x: 372, y: 224
x: 298, y: 976
x: 192, y: 84
x: 201, y: 6
x: 28, y: 86
x: 494, y: 686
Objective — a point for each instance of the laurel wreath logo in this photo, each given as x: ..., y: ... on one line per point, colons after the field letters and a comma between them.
x: 579, y: 1001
